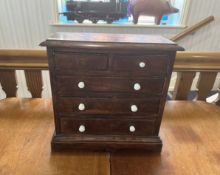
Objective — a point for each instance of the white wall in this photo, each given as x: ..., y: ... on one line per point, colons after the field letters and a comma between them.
x: 25, y: 23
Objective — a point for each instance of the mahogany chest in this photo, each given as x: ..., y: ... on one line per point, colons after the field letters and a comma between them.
x: 109, y: 90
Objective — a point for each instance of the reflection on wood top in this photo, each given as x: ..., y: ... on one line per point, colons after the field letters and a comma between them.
x: 110, y: 38
x: 110, y: 41
x: 190, y: 132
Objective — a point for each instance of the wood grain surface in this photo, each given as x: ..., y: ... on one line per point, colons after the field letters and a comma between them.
x: 34, y: 82
x: 190, y: 132
x: 26, y: 129
x: 183, y: 85
x: 109, y: 38
x: 135, y: 42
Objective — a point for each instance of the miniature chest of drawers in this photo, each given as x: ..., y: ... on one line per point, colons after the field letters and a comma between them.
x: 109, y: 90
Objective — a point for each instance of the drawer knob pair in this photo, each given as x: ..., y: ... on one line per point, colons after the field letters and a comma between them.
x: 142, y: 64
x: 137, y: 87
x: 82, y: 107
x: 82, y: 128
x: 81, y: 85
x: 134, y: 108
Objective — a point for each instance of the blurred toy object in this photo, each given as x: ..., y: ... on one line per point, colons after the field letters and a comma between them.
x: 156, y: 8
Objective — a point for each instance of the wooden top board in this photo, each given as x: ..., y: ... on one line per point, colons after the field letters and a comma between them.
x: 104, y: 40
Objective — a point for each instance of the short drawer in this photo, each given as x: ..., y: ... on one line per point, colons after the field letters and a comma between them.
x: 71, y: 63
x: 107, y: 127
x: 107, y: 86
x: 108, y: 106
x: 153, y: 65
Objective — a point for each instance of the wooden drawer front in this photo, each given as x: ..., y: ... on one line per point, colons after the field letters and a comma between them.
x: 108, y: 106
x: 80, y: 86
x: 107, y: 127
x: 70, y: 63
x: 154, y: 65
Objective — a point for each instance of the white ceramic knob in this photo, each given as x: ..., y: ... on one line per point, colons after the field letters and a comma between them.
x: 134, y: 108
x: 142, y: 64
x: 132, y: 129
x: 82, y: 128
x: 137, y: 86
x: 81, y: 84
x: 81, y: 107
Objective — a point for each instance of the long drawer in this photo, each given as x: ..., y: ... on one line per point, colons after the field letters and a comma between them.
x: 108, y: 106
x: 108, y: 86
x: 107, y: 127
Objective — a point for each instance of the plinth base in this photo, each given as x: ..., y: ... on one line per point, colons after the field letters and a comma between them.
x: 105, y: 143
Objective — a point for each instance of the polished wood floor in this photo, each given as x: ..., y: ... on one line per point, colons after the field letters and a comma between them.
x: 190, y: 132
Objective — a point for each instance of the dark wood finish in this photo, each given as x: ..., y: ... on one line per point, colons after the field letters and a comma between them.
x: 88, y: 38
x: 109, y: 104
x: 156, y: 65
x: 70, y: 63
x: 34, y: 82
x: 183, y: 85
x: 190, y: 132
x: 109, y: 86
x: 8, y: 82
x: 115, y: 127
x: 205, y: 84
x: 106, y: 42
x: 74, y: 62
x: 106, y: 143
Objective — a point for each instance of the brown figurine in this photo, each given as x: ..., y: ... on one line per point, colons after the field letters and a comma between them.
x: 156, y: 8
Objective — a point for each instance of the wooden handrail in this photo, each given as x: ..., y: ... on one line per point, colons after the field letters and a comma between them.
x: 23, y: 53
x: 23, y: 59
x: 193, y: 28
x: 37, y: 59
x: 197, y: 61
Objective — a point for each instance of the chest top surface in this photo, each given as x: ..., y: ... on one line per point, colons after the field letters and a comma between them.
x: 103, y: 41
x: 110, y: 38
